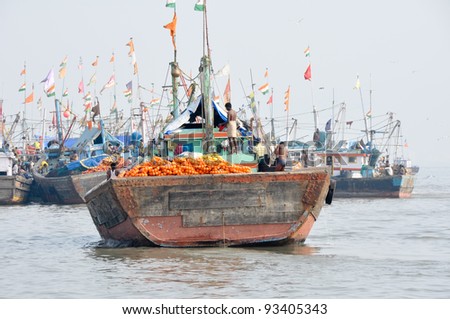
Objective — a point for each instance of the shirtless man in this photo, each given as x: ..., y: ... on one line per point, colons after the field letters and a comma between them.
x: 231, y: 128
x: 281, y: 153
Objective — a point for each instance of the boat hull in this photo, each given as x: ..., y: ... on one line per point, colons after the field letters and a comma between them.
x: 209, y: 210
x: 398, y: 186
x: 64, y: 190
x: 14, y: 189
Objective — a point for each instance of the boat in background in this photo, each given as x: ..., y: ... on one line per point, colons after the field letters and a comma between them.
x: 204, y: 210
x: 362, y: 170
x: 58, y: 174
x: 14, y: 188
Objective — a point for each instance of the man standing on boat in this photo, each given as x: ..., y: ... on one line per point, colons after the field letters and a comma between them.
x: 231, y: 128
x: 281, y: 153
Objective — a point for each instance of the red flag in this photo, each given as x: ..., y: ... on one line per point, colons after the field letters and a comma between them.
x: 227, y: 92
x: 270, y: 101
x: 308, y: 73
x: 24, y: 71
x: 172, y: 26
x: 81, y: 87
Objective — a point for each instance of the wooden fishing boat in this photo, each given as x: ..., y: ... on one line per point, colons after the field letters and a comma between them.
x: 14, y: 189
x: 209, y: 210
x: 68, y: 189
x: 61, y: 181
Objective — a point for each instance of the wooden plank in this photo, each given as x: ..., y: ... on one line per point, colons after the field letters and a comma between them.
x: 216, y: 199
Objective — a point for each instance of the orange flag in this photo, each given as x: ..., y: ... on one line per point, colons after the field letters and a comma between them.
x: 29, y: 98
x: 95, y: 63
x: 286, y: 98
x: 131, y: 45
x: 172, y: 26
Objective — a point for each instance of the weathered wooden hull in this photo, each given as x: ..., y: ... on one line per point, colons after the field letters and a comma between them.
x: 65, y: 189
x: 209, y: 210
x: 14, y: 189
x: 398, y: 186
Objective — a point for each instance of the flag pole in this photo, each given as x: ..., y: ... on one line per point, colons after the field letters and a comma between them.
x: 24, y: 107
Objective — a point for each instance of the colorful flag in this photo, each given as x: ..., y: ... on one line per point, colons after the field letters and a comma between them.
x: 172, y: 26
x: 127, y: 93
x: 95, y: 63
x: 286, y: 98
x: 369, y: 114
x: 49, y: 85
x: 227, y: 92
x: 66, y: 93
x: 110, y: 83
x: 24, y: 71
x: 64, y: 62
x: 23, y: 87
x: 357, y: 85
x: 200, y: 5
x: 29, y: 98
x: 112, y: 58
x: 264, y: 89
x: 170, y: 4
x: 307, y: 53
x: 81, y: 87
x: 87, y: 97
x: 270, y: 101
x: 266, y: 74
x: 155, y: 101
x: 308, y: 73
x: 50, y: 91
x: 92, y: 80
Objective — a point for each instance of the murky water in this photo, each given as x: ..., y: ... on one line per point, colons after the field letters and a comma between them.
x: 379, y: 248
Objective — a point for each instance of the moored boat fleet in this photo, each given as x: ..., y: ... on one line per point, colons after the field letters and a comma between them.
x: 206, y: 177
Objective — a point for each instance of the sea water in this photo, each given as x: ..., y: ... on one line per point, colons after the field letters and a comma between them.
x: 374, y: 248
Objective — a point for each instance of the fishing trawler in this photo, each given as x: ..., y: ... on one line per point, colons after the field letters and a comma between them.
x: 14, y: 188
x: 236, y: 209
x: 361, y: 169
x: 58, y: 174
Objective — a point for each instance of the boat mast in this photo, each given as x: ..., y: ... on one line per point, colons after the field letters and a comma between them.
x: 364, y: 113
x: 24, y: 128
x: 205, y: 69
x: 58, y: 122
x: 175, y: 72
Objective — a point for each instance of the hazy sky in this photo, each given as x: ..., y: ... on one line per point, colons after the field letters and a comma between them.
x: 399, y: 49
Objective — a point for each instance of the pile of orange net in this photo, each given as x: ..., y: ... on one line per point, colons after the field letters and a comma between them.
x: 208, y: 164
x: 105, y: 164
